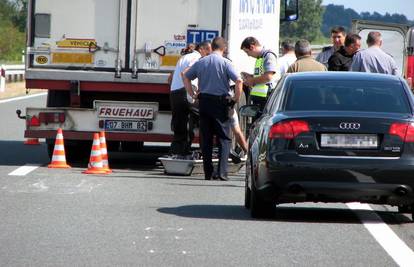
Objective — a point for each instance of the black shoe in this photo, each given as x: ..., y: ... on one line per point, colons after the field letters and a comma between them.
x: 209, y: 177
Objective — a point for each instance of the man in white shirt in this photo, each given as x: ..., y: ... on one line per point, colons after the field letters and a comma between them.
x: 374, y: 59
x: 288, y: 58
x: 180, y: 106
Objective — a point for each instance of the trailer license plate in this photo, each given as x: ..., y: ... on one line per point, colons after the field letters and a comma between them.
x: 349, y: 140
x: 122, y: 125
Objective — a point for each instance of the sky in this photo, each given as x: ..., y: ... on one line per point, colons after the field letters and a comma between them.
x: 405, y: 7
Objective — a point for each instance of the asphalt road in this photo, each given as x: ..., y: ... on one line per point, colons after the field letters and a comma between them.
x: 138, y: 216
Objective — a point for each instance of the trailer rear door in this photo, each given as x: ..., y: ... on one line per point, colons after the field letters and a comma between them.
x: 394, y: 38
x: 78, y: 34
x: 170, y: 25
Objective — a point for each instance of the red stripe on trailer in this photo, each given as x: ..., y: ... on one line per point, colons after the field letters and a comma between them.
x: 148, y: 88
x: 110, y: 136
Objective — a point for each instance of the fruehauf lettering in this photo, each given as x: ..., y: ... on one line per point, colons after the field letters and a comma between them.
x: 123, y: 112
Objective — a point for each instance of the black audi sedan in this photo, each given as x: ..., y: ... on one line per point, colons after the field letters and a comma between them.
x: 332, y: 137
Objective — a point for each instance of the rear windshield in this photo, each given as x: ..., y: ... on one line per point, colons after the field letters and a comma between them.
x: 347, y: 96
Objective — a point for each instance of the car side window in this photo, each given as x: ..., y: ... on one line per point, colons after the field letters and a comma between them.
x: 272, y: 102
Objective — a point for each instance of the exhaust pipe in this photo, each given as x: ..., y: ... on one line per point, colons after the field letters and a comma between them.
x: 295, y: 189
x: 401, y: 191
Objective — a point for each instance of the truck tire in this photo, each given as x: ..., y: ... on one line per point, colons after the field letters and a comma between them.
x: 75, y: 150
x: 50, y: 148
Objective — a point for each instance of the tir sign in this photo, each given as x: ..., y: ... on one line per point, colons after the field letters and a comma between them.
x: 198, y: 36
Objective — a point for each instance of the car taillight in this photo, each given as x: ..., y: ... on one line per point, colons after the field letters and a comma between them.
x: 410, y: 70
x: 404, y: 130
x: 52, y: 117
x: 288, y: 129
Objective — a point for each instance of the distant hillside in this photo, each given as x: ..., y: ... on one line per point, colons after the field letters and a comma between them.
x: 335, y: 15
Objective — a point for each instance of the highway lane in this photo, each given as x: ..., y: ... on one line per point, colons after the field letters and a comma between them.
x: 138, y: 216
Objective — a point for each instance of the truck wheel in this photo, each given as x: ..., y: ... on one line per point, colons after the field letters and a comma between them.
x: 78, y: 150
x: 50, y: 148
x: 128, y: 146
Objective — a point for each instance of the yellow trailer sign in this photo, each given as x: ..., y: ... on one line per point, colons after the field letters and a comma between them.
x: 72, y: 58
x: 76, y: 43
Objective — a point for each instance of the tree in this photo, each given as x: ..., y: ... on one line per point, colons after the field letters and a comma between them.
x: 12, y: 26
x: 309, y: 23
x: 337, y: 16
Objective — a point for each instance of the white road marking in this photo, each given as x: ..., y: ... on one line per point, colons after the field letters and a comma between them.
x: 22, y: 171
x: 21, y: 98
x: 392, y: 244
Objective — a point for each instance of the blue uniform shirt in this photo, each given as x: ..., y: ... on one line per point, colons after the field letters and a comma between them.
x: 214, y: 73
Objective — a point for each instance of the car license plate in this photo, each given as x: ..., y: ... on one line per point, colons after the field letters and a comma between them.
x: 126, y: 125
x: 349, y: 140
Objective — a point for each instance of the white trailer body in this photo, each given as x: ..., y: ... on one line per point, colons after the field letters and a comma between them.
x: 105, y: 63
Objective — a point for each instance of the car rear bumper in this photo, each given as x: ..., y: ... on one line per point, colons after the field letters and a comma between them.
x: 329, y: 180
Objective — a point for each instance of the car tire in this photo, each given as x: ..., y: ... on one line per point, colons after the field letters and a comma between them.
x: 247, y: 196
x: 405, y: 209
x: 260, y: 208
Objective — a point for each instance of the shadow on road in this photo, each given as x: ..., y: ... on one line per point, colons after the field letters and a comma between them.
x: 286, y: 214
x: 16, y: 153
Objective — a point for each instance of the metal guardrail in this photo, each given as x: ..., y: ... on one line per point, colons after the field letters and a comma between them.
x: 11, y: 73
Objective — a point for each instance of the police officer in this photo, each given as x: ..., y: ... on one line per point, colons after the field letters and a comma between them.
x: 338, y: 40
x: 265, y: 69
x: 214, y: 73
x: 374, y: 59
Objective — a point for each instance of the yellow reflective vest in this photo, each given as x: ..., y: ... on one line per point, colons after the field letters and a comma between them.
x: 260, y: 90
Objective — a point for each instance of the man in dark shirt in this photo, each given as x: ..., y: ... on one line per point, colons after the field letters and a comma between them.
x: 341, y: 60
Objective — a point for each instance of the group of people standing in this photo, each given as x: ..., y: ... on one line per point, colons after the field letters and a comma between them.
x: 203, y: 75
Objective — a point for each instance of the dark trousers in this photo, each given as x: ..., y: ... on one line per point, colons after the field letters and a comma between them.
x: 214, y: 121
x: 183, y: 136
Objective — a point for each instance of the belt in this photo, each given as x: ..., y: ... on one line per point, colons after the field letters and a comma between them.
x: 213, y: 97
x: 176, y: 91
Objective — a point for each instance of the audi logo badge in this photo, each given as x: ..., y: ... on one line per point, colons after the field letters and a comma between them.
x: 349, y: 126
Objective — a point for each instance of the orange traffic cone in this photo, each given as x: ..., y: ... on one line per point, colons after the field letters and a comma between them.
x: 32, y: 141
x: 95, y: 165
x: 59, y: 158
x: 104, y: 152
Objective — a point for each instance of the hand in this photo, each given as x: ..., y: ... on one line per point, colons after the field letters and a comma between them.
x: 249, y: 81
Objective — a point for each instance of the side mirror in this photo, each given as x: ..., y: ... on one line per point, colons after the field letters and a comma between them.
x: 289, y: 10
x: 250, y: 111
